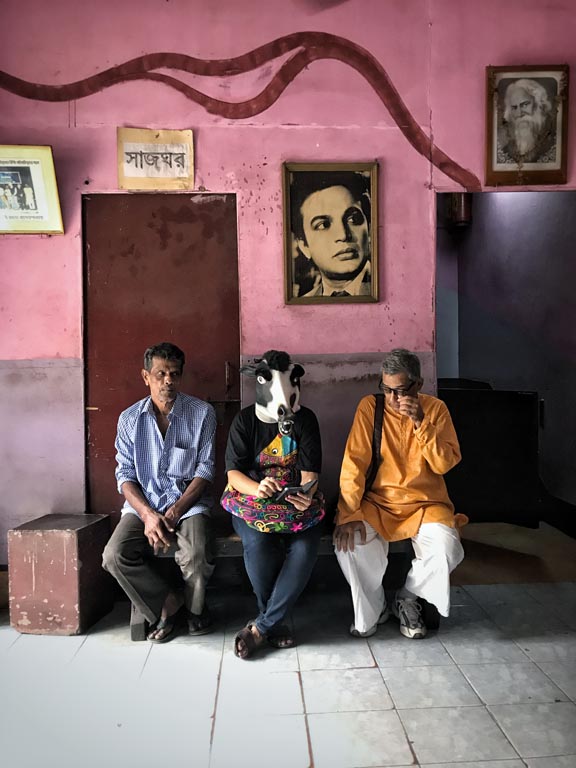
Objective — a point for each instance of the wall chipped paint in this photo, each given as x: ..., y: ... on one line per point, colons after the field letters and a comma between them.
x: 434, y: 52
x: 42, y: 445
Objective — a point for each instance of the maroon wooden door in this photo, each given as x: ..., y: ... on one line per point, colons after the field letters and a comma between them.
x: 158, y: 267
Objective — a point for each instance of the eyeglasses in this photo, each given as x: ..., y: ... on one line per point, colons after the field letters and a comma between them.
x: 399, y: 391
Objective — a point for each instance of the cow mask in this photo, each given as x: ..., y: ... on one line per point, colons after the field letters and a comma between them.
x: 277, y: 388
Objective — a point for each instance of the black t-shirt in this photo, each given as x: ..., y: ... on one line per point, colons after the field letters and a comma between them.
x: 249, y: 436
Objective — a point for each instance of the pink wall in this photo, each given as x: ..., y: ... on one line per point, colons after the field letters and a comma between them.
x: 434, y: 52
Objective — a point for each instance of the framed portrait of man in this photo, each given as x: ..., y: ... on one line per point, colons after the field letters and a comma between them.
x: 330, y: 232
x: 526, y: 125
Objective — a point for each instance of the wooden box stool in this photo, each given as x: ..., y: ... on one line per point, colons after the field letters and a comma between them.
x: 56, y: 582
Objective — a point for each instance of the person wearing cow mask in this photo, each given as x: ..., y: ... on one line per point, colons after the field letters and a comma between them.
x: 273, y: 461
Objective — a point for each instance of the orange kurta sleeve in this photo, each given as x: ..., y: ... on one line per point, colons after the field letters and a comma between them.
x: 437, y: 439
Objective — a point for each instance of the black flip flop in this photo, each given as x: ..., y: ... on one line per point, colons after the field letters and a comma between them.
x: 200, y: 624
x: 172, y: 624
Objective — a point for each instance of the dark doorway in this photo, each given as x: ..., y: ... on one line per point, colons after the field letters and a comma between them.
x: 157, y: 267
x: 506, y: 339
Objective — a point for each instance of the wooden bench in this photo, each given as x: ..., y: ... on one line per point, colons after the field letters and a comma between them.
x: 401, y: 554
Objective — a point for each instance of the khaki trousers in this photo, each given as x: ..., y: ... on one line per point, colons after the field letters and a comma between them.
x: 129, y: 558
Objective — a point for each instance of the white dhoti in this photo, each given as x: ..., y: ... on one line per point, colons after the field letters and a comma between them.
x: 437, y: 551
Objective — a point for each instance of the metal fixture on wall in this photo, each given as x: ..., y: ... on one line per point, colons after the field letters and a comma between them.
x: 459, y: 209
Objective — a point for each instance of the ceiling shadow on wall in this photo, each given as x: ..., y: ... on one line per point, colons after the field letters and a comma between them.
x: 318, y: 6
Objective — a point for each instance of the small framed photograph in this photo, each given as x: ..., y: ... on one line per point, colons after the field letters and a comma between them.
x: 330, y: 232
x: 29, y: 202
x: 526, y: 125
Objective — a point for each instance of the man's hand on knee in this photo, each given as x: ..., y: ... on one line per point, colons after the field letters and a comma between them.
x: 158, y: 531
x: 345, y: 534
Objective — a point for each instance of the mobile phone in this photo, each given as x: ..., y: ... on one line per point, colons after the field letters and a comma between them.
x: 290, y: 490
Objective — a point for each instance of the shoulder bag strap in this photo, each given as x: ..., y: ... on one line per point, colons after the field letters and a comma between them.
x: 376, y: 441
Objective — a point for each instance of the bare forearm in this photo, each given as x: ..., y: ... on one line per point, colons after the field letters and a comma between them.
x: 242, y: 483
x: 157, y: 530
x: 134, y: 496
x: 306, y: 478
x: 193, y: 492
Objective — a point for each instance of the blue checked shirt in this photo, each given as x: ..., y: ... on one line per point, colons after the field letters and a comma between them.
x: 163, y: 467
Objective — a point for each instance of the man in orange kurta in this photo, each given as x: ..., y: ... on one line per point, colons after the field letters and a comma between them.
x: 408, y: 499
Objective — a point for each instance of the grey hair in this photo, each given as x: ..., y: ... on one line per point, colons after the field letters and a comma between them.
x: 534, y: 89
x: 401, y: 361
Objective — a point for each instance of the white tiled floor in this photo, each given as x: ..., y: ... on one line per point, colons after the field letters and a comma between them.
x: 495, y: 687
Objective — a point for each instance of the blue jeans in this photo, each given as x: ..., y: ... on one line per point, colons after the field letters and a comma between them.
x: 279, y: 566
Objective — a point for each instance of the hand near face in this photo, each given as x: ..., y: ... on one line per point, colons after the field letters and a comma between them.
x: 409, y: 405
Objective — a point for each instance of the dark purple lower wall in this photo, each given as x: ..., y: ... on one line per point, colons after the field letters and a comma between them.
x: 41, y: 441
x: 517, y: 313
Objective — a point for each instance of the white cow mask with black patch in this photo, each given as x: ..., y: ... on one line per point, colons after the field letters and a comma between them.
x: 277, y: 389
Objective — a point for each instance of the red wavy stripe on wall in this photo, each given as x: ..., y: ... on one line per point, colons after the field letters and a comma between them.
x: 305, y: 47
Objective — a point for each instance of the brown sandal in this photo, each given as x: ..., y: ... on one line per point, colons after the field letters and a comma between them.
x: 282, y: 638
x: 250, y: 640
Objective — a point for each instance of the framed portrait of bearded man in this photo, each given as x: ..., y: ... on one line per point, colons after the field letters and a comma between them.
x: 526, y: 125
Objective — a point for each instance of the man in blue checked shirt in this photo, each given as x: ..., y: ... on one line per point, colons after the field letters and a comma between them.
x: 165, y: 467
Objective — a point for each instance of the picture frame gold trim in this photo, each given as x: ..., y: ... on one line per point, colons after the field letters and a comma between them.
x: 29, y: 202
x: 308, y: 275
x: 543, y: 132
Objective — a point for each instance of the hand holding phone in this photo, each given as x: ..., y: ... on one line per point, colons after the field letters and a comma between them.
x: 291, y: 490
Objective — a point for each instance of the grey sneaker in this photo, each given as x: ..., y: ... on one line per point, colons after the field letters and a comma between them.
x: 409, y: 613
x: 384, y: 616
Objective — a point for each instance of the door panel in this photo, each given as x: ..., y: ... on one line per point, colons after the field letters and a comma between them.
x: 158, y: 267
